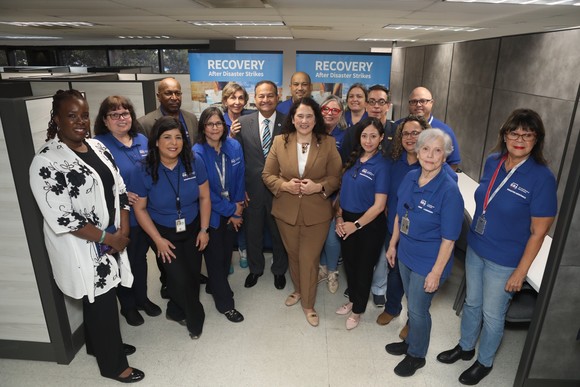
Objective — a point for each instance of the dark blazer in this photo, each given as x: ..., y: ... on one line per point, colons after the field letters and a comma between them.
x: 322, y: 166
x: 148, y: 120
x: 249, y: 138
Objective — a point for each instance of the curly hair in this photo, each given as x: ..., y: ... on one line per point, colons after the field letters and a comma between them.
x: 397, y: 149
x: 57, y: 100
x: 319, y: 130
x: 153, y: 159
x: 358, y: 149
x: 115, y: 102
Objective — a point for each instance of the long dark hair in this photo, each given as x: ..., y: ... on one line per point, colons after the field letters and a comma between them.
x: 529, y: 121
x: 204, y: 118
x: 358, y: 149
x: 115, y: 102
x: 397, y: 149
x: 319, y: 130
x: 57, y: 100
x: 153, y: 159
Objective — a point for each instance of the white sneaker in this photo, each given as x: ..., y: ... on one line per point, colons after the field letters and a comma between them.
x: 322, y: 274
x: 333, y: 281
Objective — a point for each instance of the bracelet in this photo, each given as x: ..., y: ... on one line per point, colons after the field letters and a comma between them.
x: 338, y: 217
x: 103, y: 236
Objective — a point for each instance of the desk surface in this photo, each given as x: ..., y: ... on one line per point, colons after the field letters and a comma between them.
x: 467, y: 186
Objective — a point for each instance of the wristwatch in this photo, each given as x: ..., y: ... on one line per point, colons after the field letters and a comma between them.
x: 204, y: 229
x: 357, y: 225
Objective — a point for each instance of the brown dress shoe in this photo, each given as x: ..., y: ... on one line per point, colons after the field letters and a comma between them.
x: 385, y: 318
x: 404, y: 332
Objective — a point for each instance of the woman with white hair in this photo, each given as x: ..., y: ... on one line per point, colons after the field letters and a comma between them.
x: 427, y: 224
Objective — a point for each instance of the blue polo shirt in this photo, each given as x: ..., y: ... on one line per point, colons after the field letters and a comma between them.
x: 161, y: 196
x: 435, y: 212
x: 530, y: 192
x: 234, y: 177
x: 362, y: 181
x: 228, y: 120
x: 348, y: 118
x: 338, y: 134
x: 127, y: 158
x: 284, y: 106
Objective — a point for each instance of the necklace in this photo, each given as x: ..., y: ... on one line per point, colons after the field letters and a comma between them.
x: 305, y: 147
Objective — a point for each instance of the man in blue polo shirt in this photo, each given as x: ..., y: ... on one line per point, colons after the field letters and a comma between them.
x: 420, y: 104
x: 300, y: 87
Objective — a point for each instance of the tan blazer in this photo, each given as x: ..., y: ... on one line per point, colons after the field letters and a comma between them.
x: 322, y: 166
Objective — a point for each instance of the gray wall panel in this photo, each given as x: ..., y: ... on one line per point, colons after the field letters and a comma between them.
x: 436, y: 75
x: 541, y: 64
x: 474, y: 63
x: 397, y: 75
x: 414, y: 59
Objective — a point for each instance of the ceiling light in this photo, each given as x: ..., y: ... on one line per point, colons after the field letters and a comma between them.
x: 235, y: 23
x: 29, y: 37
x: 144, y: 37
x: 520, y: 2
x: 385, y: 40
x: 49, y: 24
x: 430, y: 28
x: 264, y: 37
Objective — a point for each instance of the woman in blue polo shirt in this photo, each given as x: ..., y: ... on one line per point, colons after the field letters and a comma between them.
x: 118, y: 129
x: 224, y: 163
x: 361, y: 221
x: 174, y: 209
x: 332, y: 113
x: 516, y: 204
x: 427, y: 224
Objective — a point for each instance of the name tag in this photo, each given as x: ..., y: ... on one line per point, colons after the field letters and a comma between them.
x: 180, y: 225
x: 405, y: 224
x: 480, y: 225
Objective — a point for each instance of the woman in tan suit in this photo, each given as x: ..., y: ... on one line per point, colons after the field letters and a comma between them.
x: 302, y: 170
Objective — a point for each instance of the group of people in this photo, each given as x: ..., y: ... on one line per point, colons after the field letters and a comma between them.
x: 320, y: 181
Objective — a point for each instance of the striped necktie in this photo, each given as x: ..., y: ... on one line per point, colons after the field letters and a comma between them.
x: 266, y: 137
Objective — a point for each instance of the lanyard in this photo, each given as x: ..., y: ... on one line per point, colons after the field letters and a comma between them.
x: 488, y: 198
x: 176, y: 192
x: 222, y: 173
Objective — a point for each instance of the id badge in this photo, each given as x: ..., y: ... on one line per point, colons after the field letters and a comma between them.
x: 480, y: 225
x: 405, y: 223
x: 226, y: 195
x: 180, y: 225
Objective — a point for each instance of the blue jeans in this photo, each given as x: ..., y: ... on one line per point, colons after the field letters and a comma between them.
x: 486, y: 305
x: 331, y: 250
x: 418, y: 304
x: 379, y: 284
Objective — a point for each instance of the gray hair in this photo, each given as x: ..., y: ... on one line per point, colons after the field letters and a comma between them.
x: 433, y: 134
x: 330, y: 98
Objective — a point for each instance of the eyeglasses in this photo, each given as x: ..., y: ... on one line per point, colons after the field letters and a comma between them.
x: 415, y: 102
x: 118, y: 116
x: 217, y: 125
x: 169, y: 94
x: 412, y: 134
x: 381, y: 102
x: 328, y: 110
x: 527, y: 136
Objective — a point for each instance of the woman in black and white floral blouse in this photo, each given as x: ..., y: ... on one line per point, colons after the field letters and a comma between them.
x: 83, y: 199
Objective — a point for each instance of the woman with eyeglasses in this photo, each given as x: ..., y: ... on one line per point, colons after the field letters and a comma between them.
x: 302, y: 170
x: 356, y: 101
x: 224, y: 164
x: 427, y: 223
x: 516, y: 204
x: 117, y: 128
x: 332, y: 113
x: 174, y: 210
x: 360, y: 221
x: 83, y: 200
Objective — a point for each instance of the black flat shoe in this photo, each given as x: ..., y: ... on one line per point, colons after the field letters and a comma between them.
x: 150, y: 308
x: 474, y: 374
x: 397, y: 349
x: 279, y: 281
x: 134, y: 377
x: 451, y: 356
x: 133, y: 317
x: 252, y: 279
x: 202, y: 279
x: 128, y: 349
x: 234, y: 316
x: 164, y: 292
x: 409, y: 365
x: 180, y: 322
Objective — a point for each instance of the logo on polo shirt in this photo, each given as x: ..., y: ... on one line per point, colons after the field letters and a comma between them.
x: 426, y: 207
x: 368, y: 174
x: 187, y: 176
x: 516, y: 189
x: 235, y: 161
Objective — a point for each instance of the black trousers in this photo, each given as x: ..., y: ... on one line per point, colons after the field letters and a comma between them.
x: 103, y: 334
x: 218, y: 258
x: 183, y: 276
x: 131, y: 298
x: 359, y: 252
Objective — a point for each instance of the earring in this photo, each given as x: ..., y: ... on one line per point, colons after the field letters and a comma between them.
x: 380, y: 147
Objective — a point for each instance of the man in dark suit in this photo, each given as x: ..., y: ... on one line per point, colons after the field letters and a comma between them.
x: 256, y: 135
x: 169, y: 95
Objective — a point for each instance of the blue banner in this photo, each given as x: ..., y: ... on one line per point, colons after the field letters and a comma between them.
x: 244, y: 68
